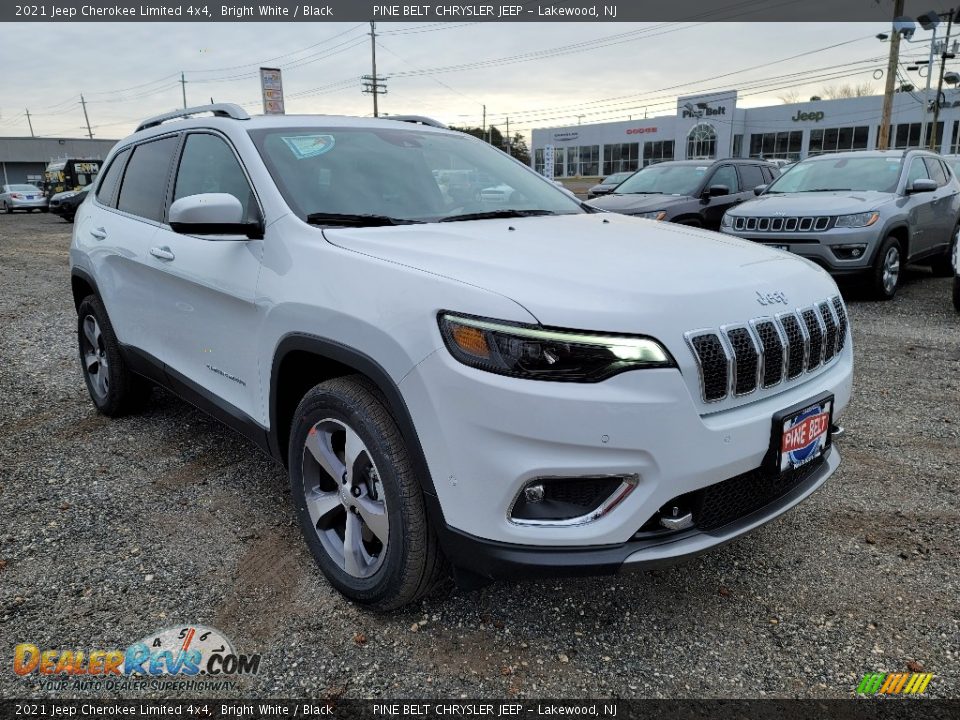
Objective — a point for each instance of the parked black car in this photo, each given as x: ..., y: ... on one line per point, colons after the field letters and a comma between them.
x: 607, y: 184
x: 65, y: 204
x: 689, y: 192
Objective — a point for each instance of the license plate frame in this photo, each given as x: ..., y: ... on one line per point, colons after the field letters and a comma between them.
x: 782, y: 460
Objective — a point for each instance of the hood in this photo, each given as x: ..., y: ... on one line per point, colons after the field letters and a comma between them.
x: 601, y: 271
x: 632, y: 204
x: 844, y: 202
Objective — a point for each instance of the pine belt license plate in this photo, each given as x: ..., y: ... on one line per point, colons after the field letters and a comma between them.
x: 802, y: 435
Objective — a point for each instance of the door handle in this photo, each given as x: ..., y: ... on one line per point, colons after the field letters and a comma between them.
x: 99, y: 233
x: 162, y: 253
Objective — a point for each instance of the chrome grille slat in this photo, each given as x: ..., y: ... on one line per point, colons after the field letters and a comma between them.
x: 738, y: 359
x: 783, y: 224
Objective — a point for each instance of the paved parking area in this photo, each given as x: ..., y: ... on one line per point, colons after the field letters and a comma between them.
x: 112, y: 529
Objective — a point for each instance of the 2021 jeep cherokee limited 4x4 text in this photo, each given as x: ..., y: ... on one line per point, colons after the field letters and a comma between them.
x: 528, y: 388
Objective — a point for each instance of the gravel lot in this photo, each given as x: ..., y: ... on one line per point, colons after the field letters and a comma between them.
x: 112, y: 529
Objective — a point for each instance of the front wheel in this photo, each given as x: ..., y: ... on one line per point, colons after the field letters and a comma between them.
x: 7, y: 209
x: 956, y: 292
x: 357, y: 498
x: 887, y: 270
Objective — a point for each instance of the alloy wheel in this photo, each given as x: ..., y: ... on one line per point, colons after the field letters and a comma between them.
x: 345, y: 498
x: 95, y: 362
x: 891, y: 270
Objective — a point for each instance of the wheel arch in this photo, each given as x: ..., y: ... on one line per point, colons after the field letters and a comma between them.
x: 82, y: 284
x: 901, y: 232
x: 301, y: 361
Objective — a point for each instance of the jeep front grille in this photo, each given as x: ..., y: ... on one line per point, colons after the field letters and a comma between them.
x: 817, y: 223
x: 736, y: 360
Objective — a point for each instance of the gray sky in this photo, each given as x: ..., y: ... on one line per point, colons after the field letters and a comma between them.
x: 603, y: 71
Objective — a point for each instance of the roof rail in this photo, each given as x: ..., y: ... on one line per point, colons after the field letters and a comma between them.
x: 418, y: 119
x: 229, y: 110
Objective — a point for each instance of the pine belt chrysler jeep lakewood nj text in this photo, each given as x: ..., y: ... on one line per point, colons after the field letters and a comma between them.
x: 528, y: 388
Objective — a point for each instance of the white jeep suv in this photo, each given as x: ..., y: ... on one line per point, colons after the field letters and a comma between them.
x: 531, y: 388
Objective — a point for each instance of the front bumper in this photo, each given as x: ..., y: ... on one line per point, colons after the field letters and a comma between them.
x: 817, y: 246
x: 486, y: 436
x: 493, y: 561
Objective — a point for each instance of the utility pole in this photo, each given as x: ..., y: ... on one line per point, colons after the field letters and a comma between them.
x: 508, y: 137
x: 373, y: 84
x: 30, y: 122
x: 183, y: 87
x: 935, y: 141
x: 86, y: 117
x: 884, y: 140
x: 484, y: 129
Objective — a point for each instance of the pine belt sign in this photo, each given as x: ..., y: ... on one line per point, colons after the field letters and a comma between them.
x: 271, y: 86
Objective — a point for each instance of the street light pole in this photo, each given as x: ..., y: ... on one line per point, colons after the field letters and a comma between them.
x: 935, y: 143
x: 924, y: 140
x: 884, y: 140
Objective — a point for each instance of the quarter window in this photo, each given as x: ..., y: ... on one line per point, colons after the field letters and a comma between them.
x: 208, y: 165
x: 145, y: 182
x: 107, y: 192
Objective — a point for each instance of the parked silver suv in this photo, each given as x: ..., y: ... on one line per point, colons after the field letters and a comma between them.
x: 864, y: 213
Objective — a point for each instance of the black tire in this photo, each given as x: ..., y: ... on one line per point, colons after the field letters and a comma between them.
x: 118, y: 391
x: 410, y: 563
x: 45, y: 210
x: 956, y: 292
x: 7, y: 209
x: 943, y: 265
x: 884, y: 280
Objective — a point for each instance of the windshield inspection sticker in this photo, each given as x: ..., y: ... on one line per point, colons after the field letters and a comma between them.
x: 308, y: 146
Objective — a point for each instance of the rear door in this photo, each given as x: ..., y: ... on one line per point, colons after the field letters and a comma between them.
x: 921, y: 210
x: 944, y: 197
x: 206, y: 285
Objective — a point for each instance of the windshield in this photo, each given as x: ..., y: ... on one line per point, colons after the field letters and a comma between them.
x: 666, y: 179
x: 861, y: 173
x: 616, y: 179
x: 384, y: 174
x: 24, y: 188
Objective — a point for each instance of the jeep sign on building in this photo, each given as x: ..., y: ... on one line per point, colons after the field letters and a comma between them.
x: 712, y: 126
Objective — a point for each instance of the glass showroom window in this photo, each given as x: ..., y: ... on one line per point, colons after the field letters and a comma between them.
x: 538, y: 160
x: 907, y: 135
x: 559, y: 157
x: 659, y: 151
x: 702, y: 142
x: 589, y: 160
x: 786, y: 145
x: 620, y: 157
x: 831, y: 140
x: 737, y: 145
x: 573, y: 161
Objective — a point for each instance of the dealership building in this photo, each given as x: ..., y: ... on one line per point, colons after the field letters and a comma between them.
x: 707, y: 127
x: 23, y: 159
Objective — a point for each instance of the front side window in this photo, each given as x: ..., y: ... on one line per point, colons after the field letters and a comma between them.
x: 918, y: 171
x: 404, y: 174
x: 726, y: 175
x: 935, y: 171
x: 145, y: 180
x: 208, y: 165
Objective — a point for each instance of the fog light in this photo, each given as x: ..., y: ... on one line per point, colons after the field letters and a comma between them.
x: 849, y: 252
x: 533, y: 493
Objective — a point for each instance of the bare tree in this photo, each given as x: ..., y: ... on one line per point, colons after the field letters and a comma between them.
x: 833, y: 92
x: 790, y: 97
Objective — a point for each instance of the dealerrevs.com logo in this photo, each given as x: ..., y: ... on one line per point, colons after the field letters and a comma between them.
x: 894, y: 683
x: 198, y: 656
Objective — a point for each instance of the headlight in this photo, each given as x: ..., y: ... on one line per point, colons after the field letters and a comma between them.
x: 864, y: 219
x: 726, y: 220
x: 543, y: 354
x: 654, y: 215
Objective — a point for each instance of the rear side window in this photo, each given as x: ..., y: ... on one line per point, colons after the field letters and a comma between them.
x: 936, y: 171
x: 208, y: 165
x: 145, y: 181
x: 107, y: 192
x: 751, y: 176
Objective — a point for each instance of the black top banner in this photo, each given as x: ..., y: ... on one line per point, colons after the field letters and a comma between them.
x: 457, y: 11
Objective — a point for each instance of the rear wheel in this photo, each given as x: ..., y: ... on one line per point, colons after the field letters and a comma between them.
x: 887, y: 270
x: 956, y: 292
x: 943, y: 265
x: 357, y: 498
x: 7, y: 209
x: 114, y: 389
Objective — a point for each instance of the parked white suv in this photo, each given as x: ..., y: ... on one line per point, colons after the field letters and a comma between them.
x: 536, y: 388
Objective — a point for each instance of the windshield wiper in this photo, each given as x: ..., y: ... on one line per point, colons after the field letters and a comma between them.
x: 356, y: 220
x: 641, y: 192
x: 827, y: 190
x: 494, y: 214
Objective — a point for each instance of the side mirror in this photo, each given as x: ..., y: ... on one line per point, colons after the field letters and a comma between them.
x: 759, y: 189
x: 211, y: 214
x: 718, y: 190
x: 921, y: 185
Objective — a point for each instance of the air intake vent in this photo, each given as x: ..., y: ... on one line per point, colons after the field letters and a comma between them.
x: 841, y: 322
x: 830, y: 332
x: 772, y: 346
x: 796, y: 344
x: 746, y: 361
x: 714, y: 365
x: 815, y: 332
